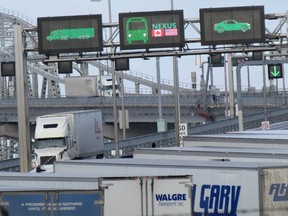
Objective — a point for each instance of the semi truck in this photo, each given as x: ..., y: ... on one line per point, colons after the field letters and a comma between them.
x: 219, y: 187
x: 67, y: 136
x: 106, y: 196
x: 65, y: 34
x: 90, y: 86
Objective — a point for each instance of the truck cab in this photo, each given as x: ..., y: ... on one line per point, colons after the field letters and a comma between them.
x: 52, y: 139
x: 107, y: 86
x: 67, y: 136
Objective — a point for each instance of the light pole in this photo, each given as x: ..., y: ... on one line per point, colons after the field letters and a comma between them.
x: 172, y: 4
x: 113, y: 80
x: 176, y: 94
x: 22, y: 100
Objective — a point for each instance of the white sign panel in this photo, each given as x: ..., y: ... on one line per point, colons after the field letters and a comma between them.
x: 265, y: 125
x: 183, y: 129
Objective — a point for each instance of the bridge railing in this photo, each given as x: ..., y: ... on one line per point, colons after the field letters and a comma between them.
x: 153, y: 79
x: 17, y: 14
x: 165, y: 139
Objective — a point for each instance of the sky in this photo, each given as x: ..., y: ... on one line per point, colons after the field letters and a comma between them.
x: 41, y: 8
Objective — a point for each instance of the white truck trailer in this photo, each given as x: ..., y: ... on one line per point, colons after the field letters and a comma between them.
x: 152, y: 195
x: 67, y: 136
x: 90, y: 86
x: 206, y: 153
x: 220, y: 188
x: 246, y: 139
x: 125, y: 196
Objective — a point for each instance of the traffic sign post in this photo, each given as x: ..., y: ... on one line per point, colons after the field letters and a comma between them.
x: 153, y: 29
x: 265, y: 125
x: 275, y: 71
x: 183, y: 131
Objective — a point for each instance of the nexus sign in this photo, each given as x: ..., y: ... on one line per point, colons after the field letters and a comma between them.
x: 158, y: 29
x: 70, y: 34
x: 232, y: 25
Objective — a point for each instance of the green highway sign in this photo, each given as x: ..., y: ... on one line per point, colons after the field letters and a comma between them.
x: 232, y: 25
x: 275, y: 71
x: 152, y: 29
x: 70, y: 34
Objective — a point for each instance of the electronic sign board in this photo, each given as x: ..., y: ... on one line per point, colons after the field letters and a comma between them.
x: 275, y: 71
x: 122, y: 64
x: 157, y: 29
x: 8, y: 68
x: 70, y: 34
x: 257, y: 56
x: 232, y: 25
x: 65, y: 67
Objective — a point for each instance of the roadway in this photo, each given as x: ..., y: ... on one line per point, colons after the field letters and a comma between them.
x: 143, y: 109
x: 278, y: 119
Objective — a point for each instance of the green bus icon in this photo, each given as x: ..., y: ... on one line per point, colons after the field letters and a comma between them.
x: 65, y: 34
x: 137, y: 30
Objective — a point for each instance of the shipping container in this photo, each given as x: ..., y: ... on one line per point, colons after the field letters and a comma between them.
x: 90, y: 86
x: 245, y: 139
x: 236, y: 154
x: 155, y: 196
x: 62, y: 203
x: 29, y: 194
x: 50, y: 194
x: 220, y: 188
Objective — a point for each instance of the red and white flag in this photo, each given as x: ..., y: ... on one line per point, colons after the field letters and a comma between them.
x: 171, y: 32
x: 157, y: 32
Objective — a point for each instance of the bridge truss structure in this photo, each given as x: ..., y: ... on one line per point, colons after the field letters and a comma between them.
x: 46, y: 74
x: 44, y: 81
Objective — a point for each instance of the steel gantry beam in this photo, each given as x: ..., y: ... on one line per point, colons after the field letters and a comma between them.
x: 276, y: 40
x: 239, y: 90
x: 191, y: 30
x: 192, y: 34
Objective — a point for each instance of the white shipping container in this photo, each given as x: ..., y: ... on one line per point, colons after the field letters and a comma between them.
x: 273, y: 155
x: 148, y: 196
x: 275, y: 191
x: 122, y: 196
x: 32, y: 181
x: 220, y: 188
x: 81, y: 86
x: 246, y: 139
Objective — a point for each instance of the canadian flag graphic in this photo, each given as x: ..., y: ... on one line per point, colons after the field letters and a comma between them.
x: 158, y: 32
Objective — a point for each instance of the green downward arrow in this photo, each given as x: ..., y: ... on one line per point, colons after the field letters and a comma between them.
x: 275, y: 73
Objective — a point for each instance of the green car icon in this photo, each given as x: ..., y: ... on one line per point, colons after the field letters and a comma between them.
x: 231, y: 25
x: 137, y: 30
